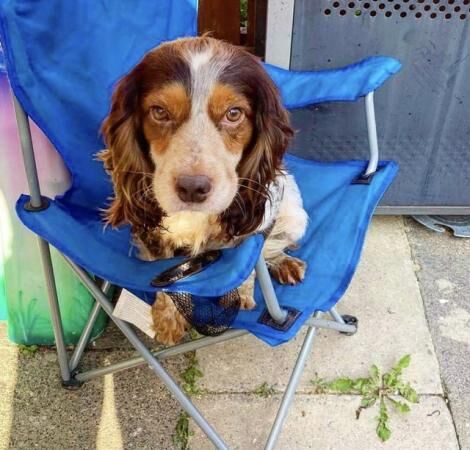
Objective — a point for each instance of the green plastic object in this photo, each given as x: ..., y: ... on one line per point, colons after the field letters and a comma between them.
x: 23, y: 295
x: 3, y: 296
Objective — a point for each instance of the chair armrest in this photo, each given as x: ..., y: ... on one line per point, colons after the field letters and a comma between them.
x: 303, y: 88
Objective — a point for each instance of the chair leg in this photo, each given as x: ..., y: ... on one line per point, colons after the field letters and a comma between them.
x: 336, y: 315
x: 345, y: 320
x: 85, y: 336
x: 266, y: 284
x: 331, y: 325
x: 154, y: 364
x: 37, y: 203
x: 291, y: 387
x: 45, y: 253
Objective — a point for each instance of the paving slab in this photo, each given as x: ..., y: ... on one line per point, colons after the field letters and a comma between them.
x: 443, y: 269
x: 324, y: 422
x: 384, y: 295
x: 131, y: 409
x: 8, y: 365
x: 113, y: 338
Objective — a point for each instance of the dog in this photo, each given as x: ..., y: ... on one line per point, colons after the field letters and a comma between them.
x: 195, y: 141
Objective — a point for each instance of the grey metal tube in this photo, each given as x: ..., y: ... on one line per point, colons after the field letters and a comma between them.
x: 196, y: 345
x: 422, y: 210
x: 27, y: 150
x: 53, y: 301
x: 160, y: 355
x: 372, y: 134
x: 28, y: 153
x: 85, y: 336
x: 331, y: 325
x: 336, y: 315
x: 180, y: 396
x: 291, y: 387
x: 267, y: 288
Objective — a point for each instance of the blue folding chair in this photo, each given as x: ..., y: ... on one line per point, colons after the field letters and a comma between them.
x: 62, y: 60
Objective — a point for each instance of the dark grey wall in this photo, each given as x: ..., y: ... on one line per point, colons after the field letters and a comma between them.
x: 423, y: 113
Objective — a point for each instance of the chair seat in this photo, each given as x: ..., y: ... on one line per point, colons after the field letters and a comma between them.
x: 339, y: 213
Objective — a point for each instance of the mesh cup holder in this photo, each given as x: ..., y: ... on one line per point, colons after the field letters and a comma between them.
x: 209, y: 316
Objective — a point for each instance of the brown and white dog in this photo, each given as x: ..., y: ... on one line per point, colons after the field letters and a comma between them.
x: 195, y: 139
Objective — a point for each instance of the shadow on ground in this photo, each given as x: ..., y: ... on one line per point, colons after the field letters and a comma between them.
x: 131, y: 409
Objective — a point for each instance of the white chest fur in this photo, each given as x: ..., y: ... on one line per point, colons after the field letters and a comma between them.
x: 190, y: 229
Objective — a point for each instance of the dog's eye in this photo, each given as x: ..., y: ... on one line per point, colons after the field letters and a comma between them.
x: 234, y: 115
x: 159, y: 114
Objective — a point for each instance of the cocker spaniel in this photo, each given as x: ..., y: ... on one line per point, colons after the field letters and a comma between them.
x: 195, y: 140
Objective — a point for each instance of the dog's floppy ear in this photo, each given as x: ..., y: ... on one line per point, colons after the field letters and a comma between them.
x: 127, y: 159
x: 262, y: 160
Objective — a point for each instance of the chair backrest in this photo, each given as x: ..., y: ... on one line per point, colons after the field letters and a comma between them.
x: 63, y: 58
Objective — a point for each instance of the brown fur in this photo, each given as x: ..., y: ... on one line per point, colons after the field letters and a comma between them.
x: 262, y: 160
x: 287, y: 269
x: 163, y: 75
x: 237, y: 137
x: 169, y: 325
x: 195, y: 82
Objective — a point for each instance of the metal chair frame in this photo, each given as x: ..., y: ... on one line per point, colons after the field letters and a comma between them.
x: 73, y: 378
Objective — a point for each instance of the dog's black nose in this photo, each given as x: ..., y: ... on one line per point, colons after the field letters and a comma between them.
x: 193, y: 188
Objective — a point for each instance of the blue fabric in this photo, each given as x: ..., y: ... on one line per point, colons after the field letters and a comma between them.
x: 339, y: 215
x: 300, y: 89
x: 63, y: 59
x: 89, y: 45
x: 2, y: 61
x: 79, y: 234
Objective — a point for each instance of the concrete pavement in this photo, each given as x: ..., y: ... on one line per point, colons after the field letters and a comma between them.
x: 443, y: 270
x: 410, y: 296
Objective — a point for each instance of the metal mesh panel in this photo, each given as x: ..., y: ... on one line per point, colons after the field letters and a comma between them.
x: 421, y: 9
x: 209, y: 316
x: 421, y: 113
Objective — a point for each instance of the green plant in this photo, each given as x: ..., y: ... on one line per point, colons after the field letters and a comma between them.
x: 376, y: 388
x: 193, y: 334
x: 191, y: 375
x: 27, y: 350
x: 264, y: 390
x: 320, y: 386
x: 182, y: 432
x: 243, y: 13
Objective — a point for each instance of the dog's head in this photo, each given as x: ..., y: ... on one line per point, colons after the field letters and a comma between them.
x: 197, y: 125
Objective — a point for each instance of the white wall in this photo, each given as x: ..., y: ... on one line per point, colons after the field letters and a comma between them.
x: 279, y: 32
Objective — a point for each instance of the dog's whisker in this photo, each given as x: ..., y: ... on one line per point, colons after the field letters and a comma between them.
x: 143, y: 193
x: 133, y: 171
x: 240, y: 202
x: 253, y: 181
x: 145, y: 188
x: 240, y: 206
x: 254, y: 190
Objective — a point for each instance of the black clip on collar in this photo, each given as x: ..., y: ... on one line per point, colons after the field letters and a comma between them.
x: 186, y: 268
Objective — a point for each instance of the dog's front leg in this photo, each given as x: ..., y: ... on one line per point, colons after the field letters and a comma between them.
x: 168, y: 323
x: 246, y: 292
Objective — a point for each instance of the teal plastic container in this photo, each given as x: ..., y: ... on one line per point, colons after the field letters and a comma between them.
x: 23, y: 296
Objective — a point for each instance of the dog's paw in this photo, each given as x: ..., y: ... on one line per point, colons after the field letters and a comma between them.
x: 288, y: 270
x: 168, y: 323
x: 247, y: 301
